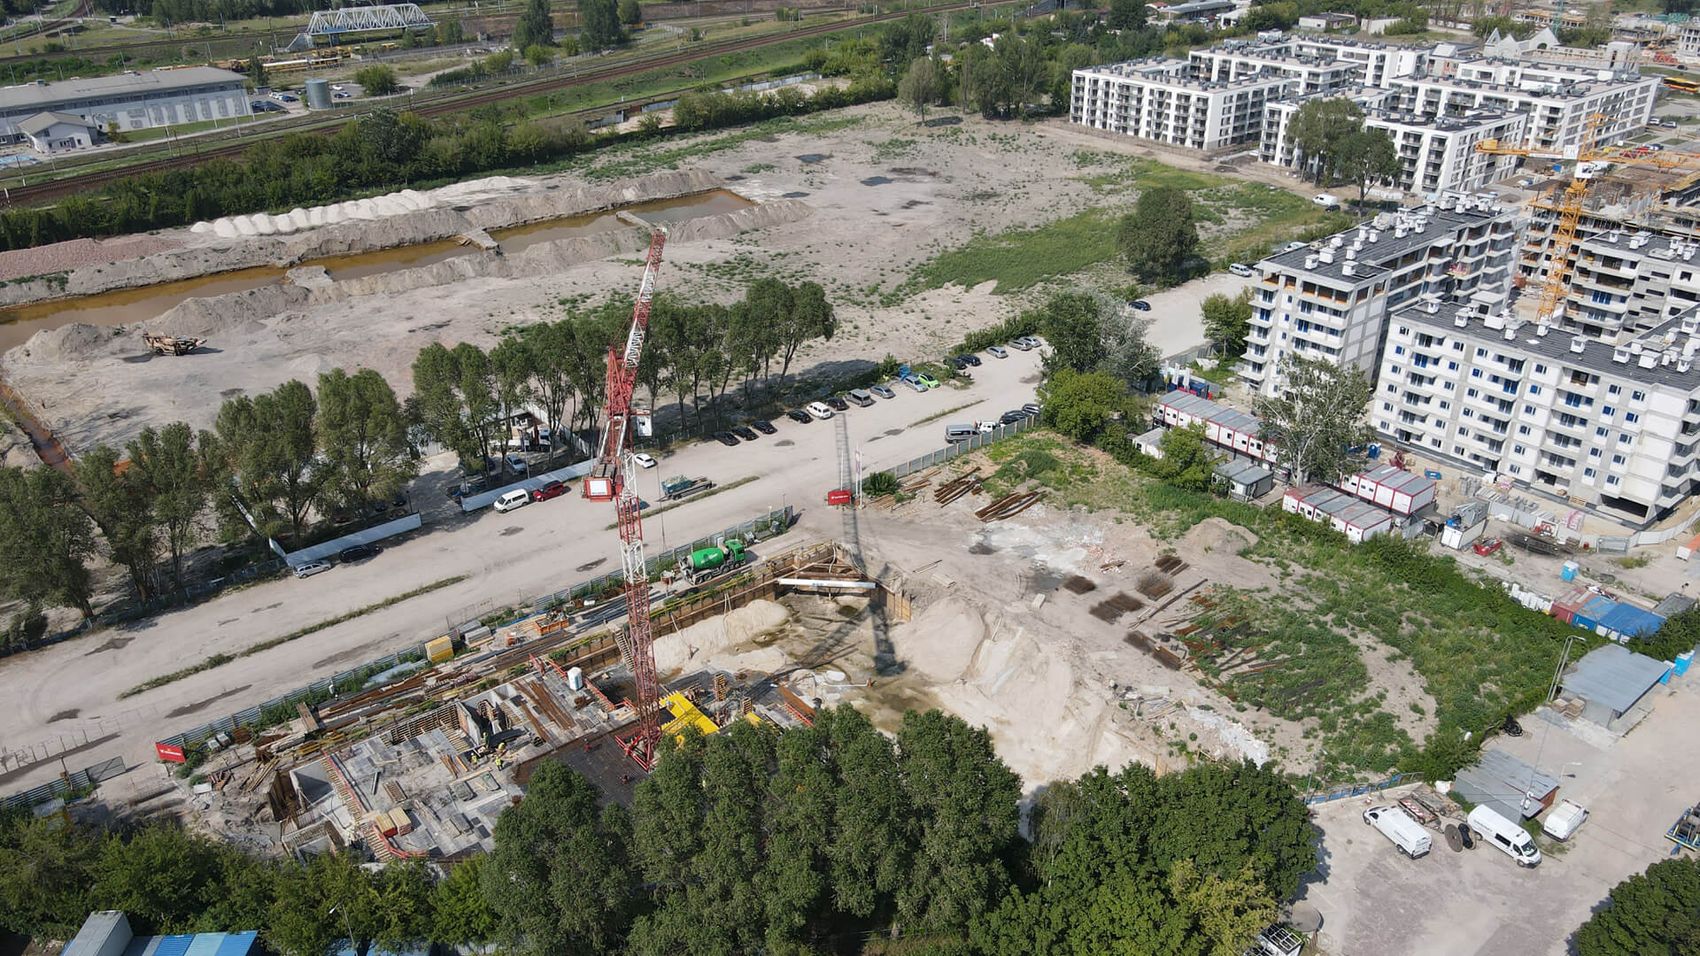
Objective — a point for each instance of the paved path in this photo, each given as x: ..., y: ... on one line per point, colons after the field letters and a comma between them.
x: 63, y: 694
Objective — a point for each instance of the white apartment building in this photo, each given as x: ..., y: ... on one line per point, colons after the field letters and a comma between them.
x: 1158, y: 100
x: 1610, y: 427
x: 1237, y: 60
x: 1629, y: 282
x: 1558, y: 114
x: 1436, y: 154
x: 1383, y: 64
x: 1331, y: 299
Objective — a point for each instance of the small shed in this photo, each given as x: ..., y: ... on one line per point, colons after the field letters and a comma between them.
x: 1504, y: 782
x: 1328, y: 21
x: 1674, y: 603
x: 1151, y: 442
x: 1589, y: 615
x: 1399, y: 491
x: 1614, y: 685
x: 1244, y: 479
x: 53, y: 132
x: 1626, y: 621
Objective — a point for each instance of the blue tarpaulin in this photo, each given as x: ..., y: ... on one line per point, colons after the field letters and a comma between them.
x: 1626, y: 621
x: 1588, y: 615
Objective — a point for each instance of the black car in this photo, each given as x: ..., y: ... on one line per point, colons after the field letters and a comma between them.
x: 726, y: 438
x: 959, y: 363
x: 973, y: 360
x: 799, y: 416
x: 764, y: 426
x: 746, y: 433
x: 1141, y: 305
x: 838, y: 404
x: 1010, y: 418
x: 359, y: 552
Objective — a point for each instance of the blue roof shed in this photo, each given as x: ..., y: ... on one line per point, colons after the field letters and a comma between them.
x: 1588, y: 616
x: 1626, y: 621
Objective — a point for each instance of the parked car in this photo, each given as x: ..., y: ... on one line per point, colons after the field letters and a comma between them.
x: 643, y: 460
x: 1031, y: 409
x: 1326, y: 201
x: 359, y: 552
x: 1012, y: 417
x: 307, y: 569
x: 512, y: 500
x: 926, y: 380
x: 745, y: 432
x: 1140, y: 305
x: 860, y: 397
x: 1396, y: 825
x: 819, y: 410
x: 1507, y: 836
x: 883, y: 391
x: 1563, y: 820
x: 1032, y: 341
x: 973, y: 360
x: 998, y: 351
x: 1487, y: 546
x: 1241, y: 269
x: 914, y: 383
x: 726, y: 438
x: 799, y: 416
x: 837, y: 404
x: 553, y: 489
x: 1668, y: 124
x: 1020, y: 344
x: 516, y: 464
x: 958, y: 362
x: 342, y: 95
x: 764, y: 426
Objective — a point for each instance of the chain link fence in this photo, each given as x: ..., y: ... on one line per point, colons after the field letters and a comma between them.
x: 77, y: 781
x: 1348, y: 790
x: 980, y: 440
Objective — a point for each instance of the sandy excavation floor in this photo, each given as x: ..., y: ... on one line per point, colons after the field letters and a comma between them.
x: 854, y: 200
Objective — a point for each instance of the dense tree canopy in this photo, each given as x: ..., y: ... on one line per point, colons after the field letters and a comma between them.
x: 1317, y: 424
x: 1159, y: 237
x: 1655, y: 913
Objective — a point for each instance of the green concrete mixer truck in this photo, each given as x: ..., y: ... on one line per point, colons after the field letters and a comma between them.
x: 705, y: 563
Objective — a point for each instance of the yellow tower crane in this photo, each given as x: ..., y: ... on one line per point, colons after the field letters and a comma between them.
x: 1569, y: 203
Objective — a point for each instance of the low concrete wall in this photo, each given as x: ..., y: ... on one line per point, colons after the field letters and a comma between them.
x: 484, y: 499
x: 372, y: 535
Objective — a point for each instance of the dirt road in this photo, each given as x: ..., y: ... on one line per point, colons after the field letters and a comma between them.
x: 65, y: 693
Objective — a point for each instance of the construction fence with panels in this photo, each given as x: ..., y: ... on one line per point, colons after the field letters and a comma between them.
x: 978, y: 441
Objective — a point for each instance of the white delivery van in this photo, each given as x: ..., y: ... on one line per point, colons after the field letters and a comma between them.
x: 1497, y: 831
x: 820, y: 411
x: 1396, y: 825
x: 518, y: 498
x: 1564, y: 819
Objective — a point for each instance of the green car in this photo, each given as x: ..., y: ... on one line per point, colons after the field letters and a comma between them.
x: 926, y: 380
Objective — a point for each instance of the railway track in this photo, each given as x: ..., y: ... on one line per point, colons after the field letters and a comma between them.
x: 58, y: 188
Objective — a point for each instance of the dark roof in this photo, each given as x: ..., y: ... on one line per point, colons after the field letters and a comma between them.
x: 1613, y: 676
x: 42, y: 96
x: 1560, y: 345
x: 1244, y: 470
x: 1673, y: 604
x: 41, y: 122
x: 1502, y: 780
x: 1388, y: 247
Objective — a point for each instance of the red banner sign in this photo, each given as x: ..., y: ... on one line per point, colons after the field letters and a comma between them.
x: 170, y: 753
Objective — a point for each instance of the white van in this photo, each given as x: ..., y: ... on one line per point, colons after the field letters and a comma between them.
x: 1564, y: 820
x: 956, y: 433
x: 819, y: 410
x: 1497, y: 831
x: 1396, y: 825
x: 518, y: 498
x: 1326, y: 201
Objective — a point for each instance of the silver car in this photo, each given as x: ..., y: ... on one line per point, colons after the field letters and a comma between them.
x: 882, y: 391
x: 307, y: 569
x: 998, y: 351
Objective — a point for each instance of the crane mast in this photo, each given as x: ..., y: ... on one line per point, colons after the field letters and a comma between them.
x: 614, y: 477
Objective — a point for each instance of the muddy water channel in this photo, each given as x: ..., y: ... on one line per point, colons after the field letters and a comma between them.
x: 129, y: 306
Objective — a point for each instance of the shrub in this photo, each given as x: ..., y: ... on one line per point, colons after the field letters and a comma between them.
x: 879, y: 484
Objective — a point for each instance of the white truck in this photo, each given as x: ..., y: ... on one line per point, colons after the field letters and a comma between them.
x: 1564, y: 820
x: 1396, y: 825
x: 1495, y: 830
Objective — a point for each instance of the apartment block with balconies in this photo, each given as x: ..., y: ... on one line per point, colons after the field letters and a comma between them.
x: 1611, y: 427
x: 1623, y: 282
x: 1330, y: 299
x: 1160, y: 100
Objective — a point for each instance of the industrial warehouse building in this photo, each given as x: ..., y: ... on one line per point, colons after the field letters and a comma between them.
x: 128, y: 101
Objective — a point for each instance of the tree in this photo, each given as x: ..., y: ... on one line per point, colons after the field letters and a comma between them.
x: 906, y: 40
x: 534, y: 26
x: 168, y: 463
x: 1081, y: 404
x: 257, y: 73
x: 1317, y: 419
x: 363, y: 432
x: 1227, y: 322
x: 118, y: 502
x: 810, y: 317
x: 1679, y: 634
x: 1368, y: 155
x: 47, y: 866
x: 450, y: 32
x: 1320, y: 129
x: 280, y: 452
x: 919, y: 87
x: 538, y: 55
x: 1657, y: 911
x: 162, y: 878
x: 1073, y: 326
x: 1159, y: 237
x: 1126, y: 15
x: 559, y: 880
x: 461, y: 915
x: 45, y: 540
x: 631, y: 12
x: 1187, y: 459
x: 377, y: 80
x: 601, y: 22
x: 1021, y: 69
x: 1127, y: 355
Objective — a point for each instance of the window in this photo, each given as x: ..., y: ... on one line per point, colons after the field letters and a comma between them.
x: 1600, y: 432
x: 1630, y: 418
x: 1387, y: 406
x: 1518, y: 449
x: 1522, y: 429
x: 1398, y: 350
x: 1617, y: 459
x: 1593, y: 453
x: 1638, y: 396
x: 1614, y: 390
x: 1588, y: 473
x: 1527, y: 409
x: 1481, y: 353
x: 1606, y: 411
x: 1540, y: 369
x: 1452, y: 366
x: 1534, y: 390
x: 1611, y: 479
x: 1463, y: 433
x: 1624, y: 439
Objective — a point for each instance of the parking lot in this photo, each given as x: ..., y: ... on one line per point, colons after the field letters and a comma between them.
x: 70, y: 690
x: 1375, y: 900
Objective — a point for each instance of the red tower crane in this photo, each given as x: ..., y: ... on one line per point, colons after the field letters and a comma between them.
x: 614, y: 478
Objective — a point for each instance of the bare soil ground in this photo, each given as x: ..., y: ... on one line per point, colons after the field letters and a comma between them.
x: 856, y: 200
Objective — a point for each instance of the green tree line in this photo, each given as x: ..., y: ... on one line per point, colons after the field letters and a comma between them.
x: 809, y: 840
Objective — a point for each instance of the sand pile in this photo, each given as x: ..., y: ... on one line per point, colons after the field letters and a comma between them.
x: 1218, y: 536
x: 941, y: 641
x: 75, y: 342
x: 729, y: 641
x: 266, y: 224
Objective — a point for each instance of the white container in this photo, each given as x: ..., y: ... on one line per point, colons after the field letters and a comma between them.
x: 575, y: 678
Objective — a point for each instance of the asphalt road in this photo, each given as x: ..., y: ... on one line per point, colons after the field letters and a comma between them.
x: 63, y: 695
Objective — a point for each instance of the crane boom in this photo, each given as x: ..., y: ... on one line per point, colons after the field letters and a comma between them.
x: 614, y: 476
